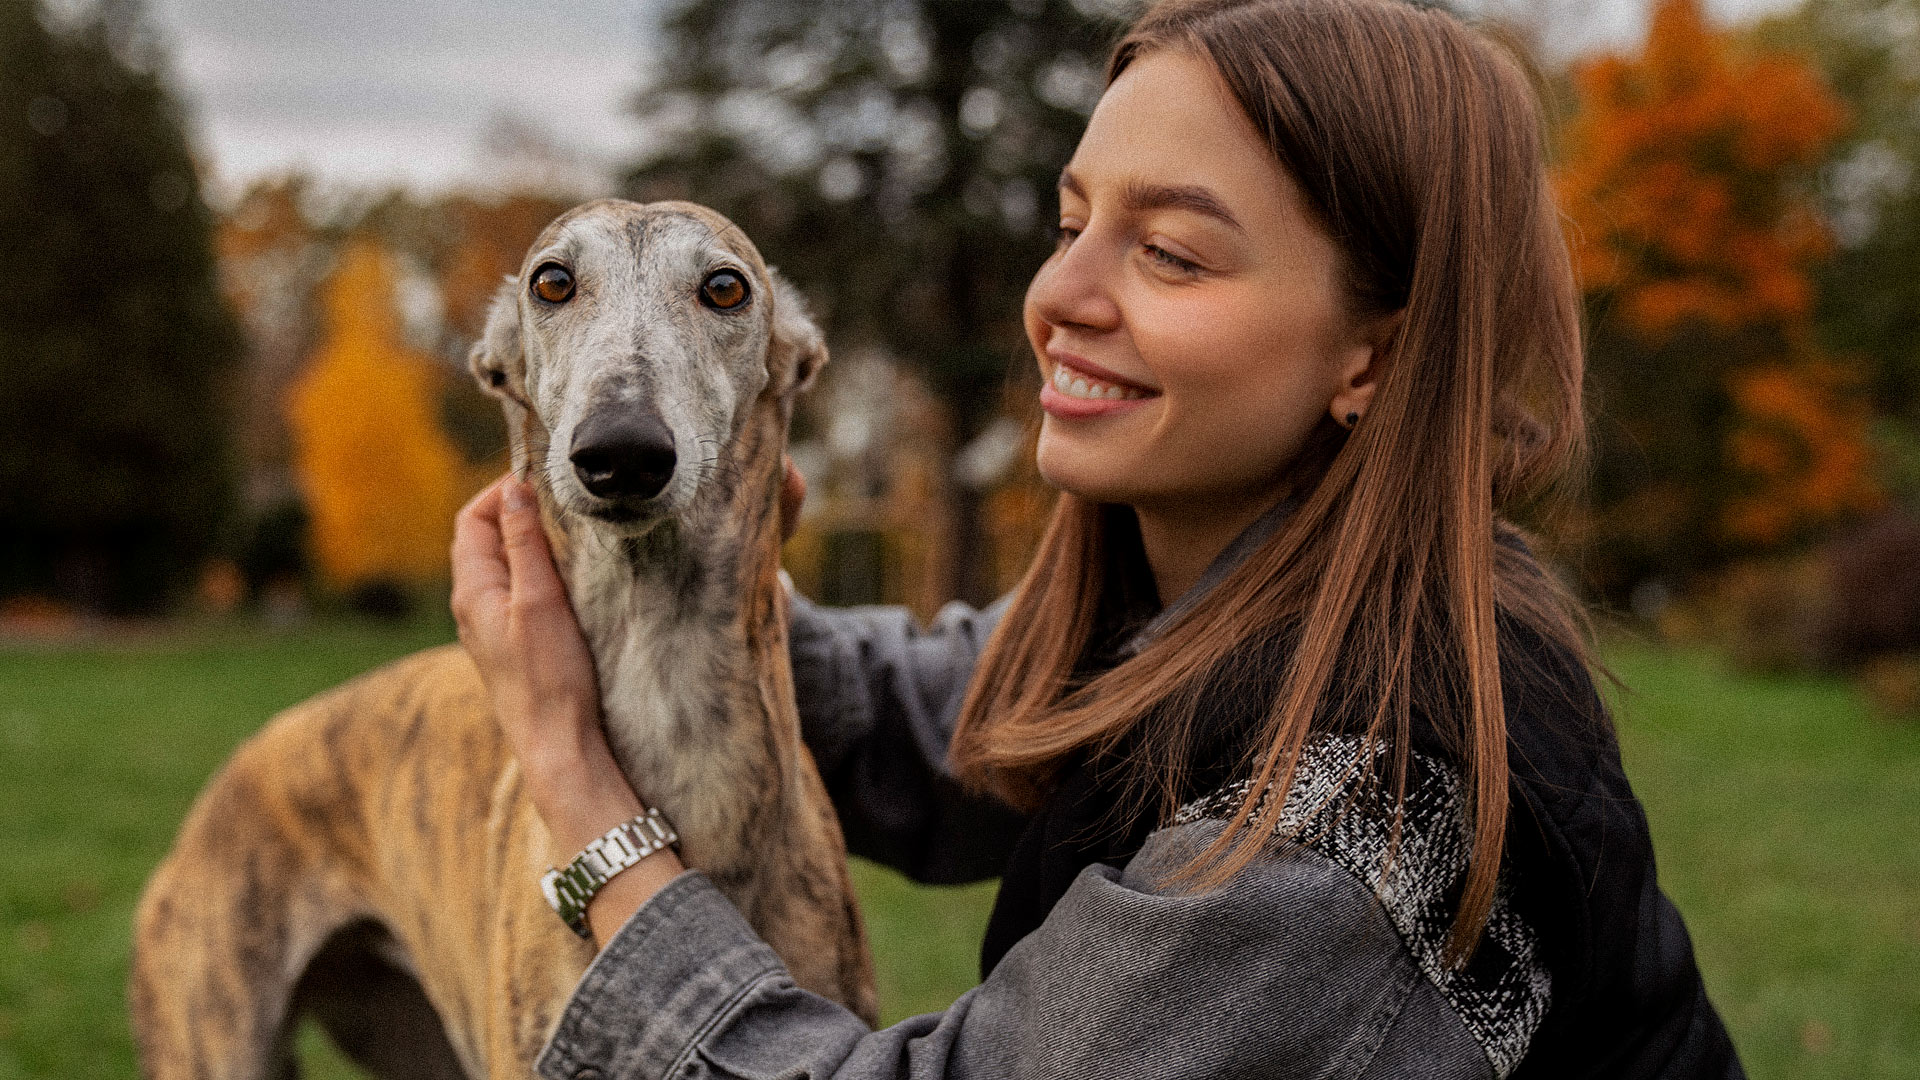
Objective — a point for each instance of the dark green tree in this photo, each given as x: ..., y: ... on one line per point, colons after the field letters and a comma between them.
x: 116, y: 467
x: 896, y: 158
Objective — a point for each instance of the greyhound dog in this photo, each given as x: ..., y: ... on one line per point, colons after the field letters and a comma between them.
x: 370, y: 857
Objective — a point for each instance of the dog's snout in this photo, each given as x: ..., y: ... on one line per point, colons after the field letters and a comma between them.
x: 623, y: 454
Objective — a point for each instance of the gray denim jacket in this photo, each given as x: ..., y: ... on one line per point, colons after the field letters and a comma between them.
x: 1323, y: 960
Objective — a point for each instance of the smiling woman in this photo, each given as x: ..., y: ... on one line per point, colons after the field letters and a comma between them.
x: 1313, y: 775
x: 1191, y: 272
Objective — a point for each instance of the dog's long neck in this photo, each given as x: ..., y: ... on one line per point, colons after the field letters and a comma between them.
x: 688, y: 630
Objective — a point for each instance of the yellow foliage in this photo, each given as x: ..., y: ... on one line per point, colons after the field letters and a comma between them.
x: 381, y: 479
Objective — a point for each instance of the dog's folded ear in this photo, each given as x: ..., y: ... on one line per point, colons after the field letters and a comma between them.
x: 497, y: 360
x: 799, y: 351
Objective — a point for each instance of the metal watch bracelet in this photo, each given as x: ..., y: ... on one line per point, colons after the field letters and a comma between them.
x: 570, y: 890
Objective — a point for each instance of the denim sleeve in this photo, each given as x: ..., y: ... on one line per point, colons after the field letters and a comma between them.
x: 1290, y: 969
x: 878, y: 696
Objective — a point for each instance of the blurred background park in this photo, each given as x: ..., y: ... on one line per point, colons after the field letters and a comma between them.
x: 255, y: 241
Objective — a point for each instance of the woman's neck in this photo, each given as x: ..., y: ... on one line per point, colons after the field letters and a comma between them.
x: 1181, y: 541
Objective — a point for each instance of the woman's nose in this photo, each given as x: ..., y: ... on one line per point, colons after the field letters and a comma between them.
x: 1075, y: 287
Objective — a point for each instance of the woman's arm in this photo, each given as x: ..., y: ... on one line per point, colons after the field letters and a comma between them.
x: 1291, y: 968
x: 878, y: 696
x: 511, y: 610
x: 1290, y: 965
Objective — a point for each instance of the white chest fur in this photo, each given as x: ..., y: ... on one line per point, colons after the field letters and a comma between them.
x: 680, y: 690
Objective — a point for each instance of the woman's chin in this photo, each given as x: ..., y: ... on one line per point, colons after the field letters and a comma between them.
x: 1081, y: 471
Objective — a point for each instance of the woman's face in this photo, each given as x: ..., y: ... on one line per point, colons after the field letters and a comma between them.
x: 1190, y: 327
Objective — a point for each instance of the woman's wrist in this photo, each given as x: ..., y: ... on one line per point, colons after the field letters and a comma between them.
x: 579, y: 797
x: 585, y: 817
x: 627, y: 891
x: 559, y: 767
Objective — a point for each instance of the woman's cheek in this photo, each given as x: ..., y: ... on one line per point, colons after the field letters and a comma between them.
x: 1239, y: 427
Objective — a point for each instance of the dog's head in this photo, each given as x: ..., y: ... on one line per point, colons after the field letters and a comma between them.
x: 630, y: 350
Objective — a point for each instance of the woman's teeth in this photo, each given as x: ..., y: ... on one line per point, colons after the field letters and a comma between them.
x: 1079, y: 386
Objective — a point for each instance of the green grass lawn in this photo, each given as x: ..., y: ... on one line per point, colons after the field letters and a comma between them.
x: 1785, y: 819
x: 1787, y: 824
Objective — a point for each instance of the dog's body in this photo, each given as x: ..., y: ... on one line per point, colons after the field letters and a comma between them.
x: 370, y: 856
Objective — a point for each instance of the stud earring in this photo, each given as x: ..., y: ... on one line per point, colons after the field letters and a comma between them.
x: 1352, y: 419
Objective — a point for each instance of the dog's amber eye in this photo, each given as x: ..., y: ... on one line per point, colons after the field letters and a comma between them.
x: 723, y: 289
x: 553, y: 283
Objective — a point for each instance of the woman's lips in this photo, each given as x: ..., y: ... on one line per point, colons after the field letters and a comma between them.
x: 1076, y: 391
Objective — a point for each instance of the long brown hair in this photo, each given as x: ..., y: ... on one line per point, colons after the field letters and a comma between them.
x: 1418, y: 145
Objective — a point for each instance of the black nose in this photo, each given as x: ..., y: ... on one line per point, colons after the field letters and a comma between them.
x: 624, y: 454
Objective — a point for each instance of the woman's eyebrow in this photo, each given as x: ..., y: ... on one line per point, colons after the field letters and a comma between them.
x: 1138, y: 196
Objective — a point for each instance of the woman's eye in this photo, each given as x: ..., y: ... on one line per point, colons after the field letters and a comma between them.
x: 1064, y: 235
x: 723, y: 290
x: 553, y: 283
x: 1171, y: 261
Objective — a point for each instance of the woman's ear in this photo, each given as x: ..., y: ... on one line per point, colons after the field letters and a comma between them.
x: 798, y: 351
x: 497, y: 360
x: 1362, y: 365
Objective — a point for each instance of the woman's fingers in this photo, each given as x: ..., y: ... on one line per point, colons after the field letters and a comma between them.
x: 514, y: 619
x: 480, y: 574
x: 512, y: 612
x: 535, y: 581
x: 541, y: 626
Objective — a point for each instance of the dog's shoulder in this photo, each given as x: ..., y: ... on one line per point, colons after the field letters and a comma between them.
x: 443, y: 673
x: 426, y: 697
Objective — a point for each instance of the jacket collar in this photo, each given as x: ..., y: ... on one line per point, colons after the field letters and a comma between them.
x: 1238, y: 551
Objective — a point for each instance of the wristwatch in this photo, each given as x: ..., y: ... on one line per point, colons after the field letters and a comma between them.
x: 572, y: 889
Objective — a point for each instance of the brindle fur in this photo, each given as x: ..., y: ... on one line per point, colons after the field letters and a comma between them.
x: 370, y: 857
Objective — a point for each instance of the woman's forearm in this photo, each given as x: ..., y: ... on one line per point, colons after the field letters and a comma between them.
x: 511, y: 609
x: 1290, y: 968
x: 878, y: 694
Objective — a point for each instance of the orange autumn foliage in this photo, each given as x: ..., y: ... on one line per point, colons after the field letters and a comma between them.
x: 381, y: 479
x: 1802, y: 443
x: 1687, y: 190
x: 1681, y: 182
x: 268, y: 219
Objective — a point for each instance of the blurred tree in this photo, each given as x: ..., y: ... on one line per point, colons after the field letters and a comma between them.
x: 1688, y: 184
x: 116, y: 465
x: 1869, y: 295
x: 275, y: 259
x: 272, y: 261
x: 1800, y: 443
x: 484, y: 240
x: 897, y: 158
x: 382, y: 481
x: 481, y: 242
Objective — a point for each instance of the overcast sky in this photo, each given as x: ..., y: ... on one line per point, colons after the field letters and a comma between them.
x: 375, y: 91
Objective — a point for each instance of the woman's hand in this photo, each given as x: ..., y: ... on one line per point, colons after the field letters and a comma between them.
x: 512, y: 613
x: 511, y: 610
